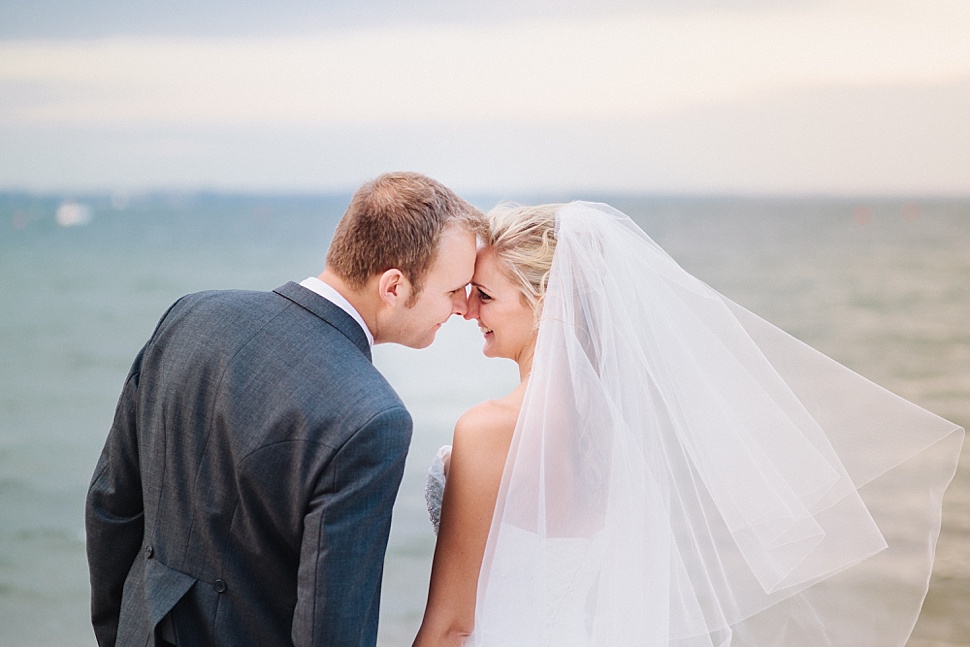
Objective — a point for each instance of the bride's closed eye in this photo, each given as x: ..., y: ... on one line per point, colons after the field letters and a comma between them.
x: 482, y: 296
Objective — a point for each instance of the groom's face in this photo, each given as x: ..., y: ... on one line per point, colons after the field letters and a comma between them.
x: 443, y: 290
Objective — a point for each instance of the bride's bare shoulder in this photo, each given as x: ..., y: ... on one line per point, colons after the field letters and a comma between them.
x: 489, y: 424
x: 480, y: 448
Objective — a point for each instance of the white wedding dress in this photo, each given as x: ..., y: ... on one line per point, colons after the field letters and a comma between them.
x: 685, y: 474
x: 571, y: 569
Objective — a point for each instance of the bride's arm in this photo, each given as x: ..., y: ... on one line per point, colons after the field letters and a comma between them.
x: 481, y: 443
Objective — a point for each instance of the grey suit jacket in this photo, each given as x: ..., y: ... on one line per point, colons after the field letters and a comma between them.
x: 247, y: 481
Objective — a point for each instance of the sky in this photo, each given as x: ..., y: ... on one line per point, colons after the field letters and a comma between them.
x: 689, y: 96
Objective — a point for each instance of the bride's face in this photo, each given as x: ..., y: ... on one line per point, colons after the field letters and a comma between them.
x: 503, y: 315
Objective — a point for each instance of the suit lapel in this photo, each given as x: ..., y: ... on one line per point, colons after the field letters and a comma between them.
x: 332, y: 314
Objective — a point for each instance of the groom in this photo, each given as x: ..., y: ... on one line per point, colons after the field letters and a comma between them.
x: 244, y: 494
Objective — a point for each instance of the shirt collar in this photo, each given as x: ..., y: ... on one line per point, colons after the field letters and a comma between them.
x: 327, y: 292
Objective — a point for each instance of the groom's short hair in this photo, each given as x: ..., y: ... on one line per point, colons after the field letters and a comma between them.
x: 396, y: 221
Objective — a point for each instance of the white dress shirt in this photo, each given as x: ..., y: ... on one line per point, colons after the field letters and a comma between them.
x: 334, y: 297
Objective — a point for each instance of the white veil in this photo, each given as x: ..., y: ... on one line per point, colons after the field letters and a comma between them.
x: 685, y: 474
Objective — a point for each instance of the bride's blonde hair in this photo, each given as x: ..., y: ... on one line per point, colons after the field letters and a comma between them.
x: 524, y: 241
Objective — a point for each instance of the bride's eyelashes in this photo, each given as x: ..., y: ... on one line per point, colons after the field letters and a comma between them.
x: 482, y: 296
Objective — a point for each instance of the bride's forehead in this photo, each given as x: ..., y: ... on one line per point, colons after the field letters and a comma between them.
x: 490, y: 273
x: 486, y: 262
x: 487, y: 254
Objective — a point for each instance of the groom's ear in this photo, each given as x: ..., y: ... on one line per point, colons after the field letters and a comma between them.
x: 393, y: 287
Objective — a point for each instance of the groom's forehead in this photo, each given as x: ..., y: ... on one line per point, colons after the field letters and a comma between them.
x: 456, y: 247
x: 454, y: 261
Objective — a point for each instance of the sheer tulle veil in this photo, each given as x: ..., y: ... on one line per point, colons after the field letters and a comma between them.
x: 685, y: 474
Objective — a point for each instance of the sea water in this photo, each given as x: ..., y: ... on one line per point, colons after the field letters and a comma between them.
x: 882, y: 286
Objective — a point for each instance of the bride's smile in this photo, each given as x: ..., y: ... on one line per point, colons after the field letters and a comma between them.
x: 504, y: 317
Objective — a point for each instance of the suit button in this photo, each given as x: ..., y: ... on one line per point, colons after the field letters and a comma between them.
x: 149, y: 551
x: 219, y: 586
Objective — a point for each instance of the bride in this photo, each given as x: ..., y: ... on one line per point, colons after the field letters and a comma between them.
x: 672, y: 470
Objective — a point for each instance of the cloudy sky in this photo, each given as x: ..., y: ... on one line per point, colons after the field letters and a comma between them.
x: 781, y: 96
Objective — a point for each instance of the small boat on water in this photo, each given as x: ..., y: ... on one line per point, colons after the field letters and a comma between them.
x: 72, y: 214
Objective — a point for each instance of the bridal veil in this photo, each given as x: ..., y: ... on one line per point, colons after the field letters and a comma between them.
x: 685, y: 474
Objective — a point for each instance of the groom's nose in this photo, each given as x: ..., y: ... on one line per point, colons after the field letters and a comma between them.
x: 471, y: 312
x: 459, y: 305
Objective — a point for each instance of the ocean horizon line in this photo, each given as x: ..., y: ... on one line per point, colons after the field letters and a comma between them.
x: 588, y: 194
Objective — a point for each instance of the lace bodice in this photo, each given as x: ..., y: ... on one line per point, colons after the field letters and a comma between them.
x: 434, y: 488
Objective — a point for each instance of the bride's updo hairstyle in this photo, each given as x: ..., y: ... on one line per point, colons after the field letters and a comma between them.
x: 524, y: 240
